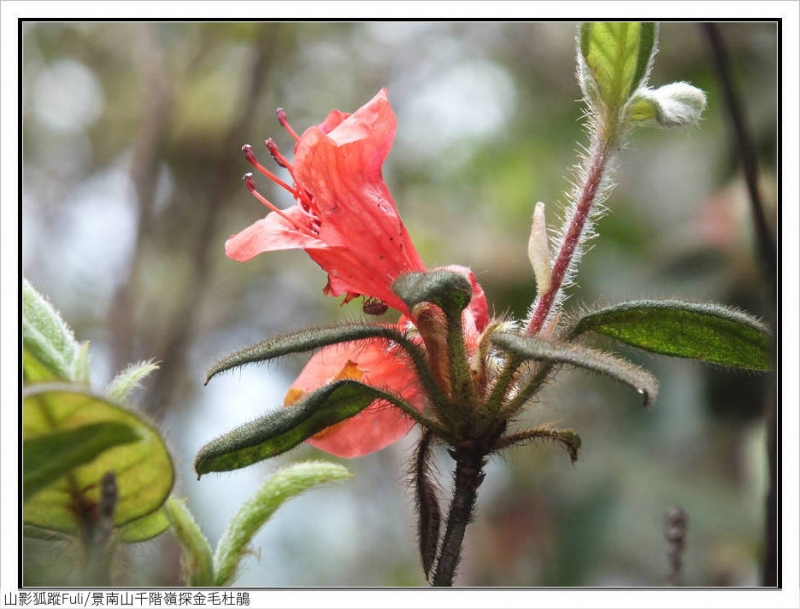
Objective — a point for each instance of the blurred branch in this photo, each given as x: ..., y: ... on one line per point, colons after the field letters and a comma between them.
x: 173, y: 353
x: 157, y: 104
x: 675, y: 532
x: 768, y: 255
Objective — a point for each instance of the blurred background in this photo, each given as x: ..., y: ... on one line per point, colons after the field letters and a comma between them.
x: 132, y: 183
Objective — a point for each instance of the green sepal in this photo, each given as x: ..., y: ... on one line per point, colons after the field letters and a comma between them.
x: 143, y: 468
x: 283, y: 429
x: 50, y: 456
x: 256, y: 511
x: 617, y: 57
x: 539, y: 349
x: 448, y: 290
x: 50, y: 351
x: 198, y: 563
x: 707, y: 332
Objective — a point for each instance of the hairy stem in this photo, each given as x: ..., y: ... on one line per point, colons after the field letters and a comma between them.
x: 468, y: 477
x: 593, y: 181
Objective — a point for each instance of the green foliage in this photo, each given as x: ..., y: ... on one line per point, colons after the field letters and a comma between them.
x: 618, y: 57
x: 539, y: 349
x: 72, y: 437
x: 143, y: 467
x: 203, y: 569
x: 310, y: 340
x: 129, y: 379
x: 711, y: 333
x: 254, y: 513
x: 48, y: 457
x: 198, y: 564
x: 284, y: 429
x: 50, y: 351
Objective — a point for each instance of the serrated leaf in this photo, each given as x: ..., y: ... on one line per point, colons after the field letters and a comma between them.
x: 129, y: 379
x: 143, y: 469
x: 284, y: 429
x: 51, y: 346
x: 50, y: 456
x: 446, y: 289
x: 618, y: 56
x: 539, y: 349
x: 198, y: 562
x: 707, y: 332
x: 256, y: 511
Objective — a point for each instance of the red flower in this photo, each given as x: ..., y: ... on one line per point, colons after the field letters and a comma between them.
x: 347, y: 222
x: 345, y: 218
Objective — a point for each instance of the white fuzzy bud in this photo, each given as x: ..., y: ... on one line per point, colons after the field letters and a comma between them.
x: 675, y: 105
x: 539, y: 250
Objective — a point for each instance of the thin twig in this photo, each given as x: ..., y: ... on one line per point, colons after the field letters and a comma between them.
x: 768, y: 256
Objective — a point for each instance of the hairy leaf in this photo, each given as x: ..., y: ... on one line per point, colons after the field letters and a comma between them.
x: 711, y: 333
x: 198, y: 563
x: 143, y: 468
x: 428, y: 511
x: 129, y: 379
x: 50, y: 456
x: 50, y: 349
x: 539, y: 349
x: 310, y: 340
x: 256, y: 511
x: 618, y: 57
x: 284, y: 429
x: 144, y: 528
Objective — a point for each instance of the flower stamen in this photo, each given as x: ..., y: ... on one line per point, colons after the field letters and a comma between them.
x: 276, y: 154
x: 281, y: 114
x: 247, y: 149
x: 250, y: 183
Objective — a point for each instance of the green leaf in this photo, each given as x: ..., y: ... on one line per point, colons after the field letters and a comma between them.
x: 284, y: 429
x: 143, y: 469
x: 144, y: 528
x: 50, y: 349
x: 129, y: 379
x: 539, y: 349
x: 448, y: 290
x: 316, y: 338
x: 284, y: 484
x: 48, y: 457
x: 198, y: 563
x: 617, y: 57
x: 711, y: 333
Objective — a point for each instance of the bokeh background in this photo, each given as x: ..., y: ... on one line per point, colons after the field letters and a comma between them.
x: 132, y: 182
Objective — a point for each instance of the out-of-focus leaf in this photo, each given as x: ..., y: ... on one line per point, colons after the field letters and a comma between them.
x: 143, y: 468
x: 126, y: 381
x: 48, y: 457
x: 711, y: 333
x: 284, y: 484
x: 51, y: 351
x: 198, y: 563
x: 539, y: 349
x: 144, y: 528
x: 284, y: 429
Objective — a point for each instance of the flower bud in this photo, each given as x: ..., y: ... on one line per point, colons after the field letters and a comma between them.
x: 539, y: 251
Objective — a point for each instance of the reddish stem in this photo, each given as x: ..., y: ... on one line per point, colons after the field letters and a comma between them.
x: 572, y: 238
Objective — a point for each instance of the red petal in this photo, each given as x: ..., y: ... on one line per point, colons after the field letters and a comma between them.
x: 380, y: 424
x: 269, y: 234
